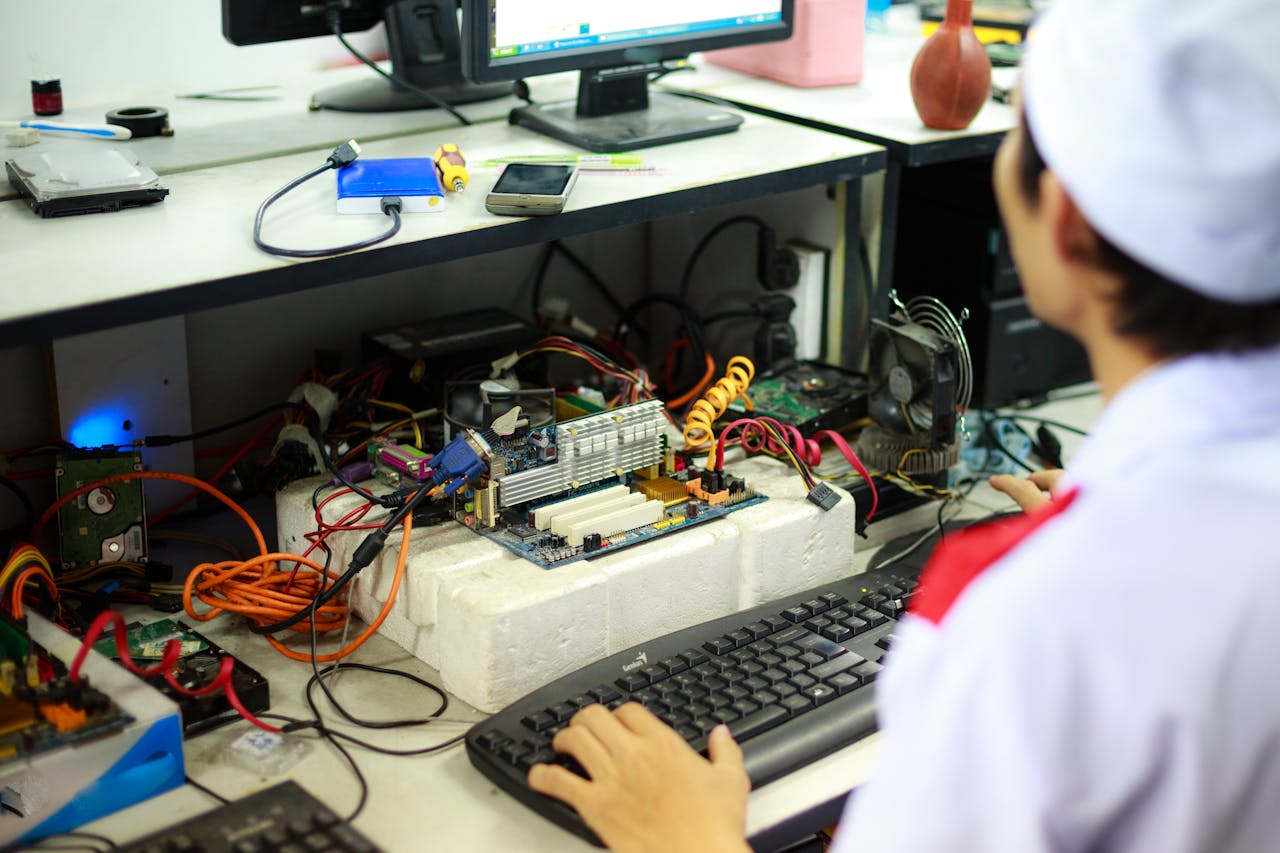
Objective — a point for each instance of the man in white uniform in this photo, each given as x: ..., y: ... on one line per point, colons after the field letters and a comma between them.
x: 1100, y: 673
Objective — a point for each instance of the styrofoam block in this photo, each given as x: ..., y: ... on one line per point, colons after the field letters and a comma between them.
x: 509, y: 627
x: 497, y: 626
x: 788, y: 543
x: 671, y: 583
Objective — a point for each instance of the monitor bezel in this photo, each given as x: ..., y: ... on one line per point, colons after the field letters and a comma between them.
x: 475, y: 47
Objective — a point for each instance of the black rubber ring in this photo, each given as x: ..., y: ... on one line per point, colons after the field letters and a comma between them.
x: 142, y: 121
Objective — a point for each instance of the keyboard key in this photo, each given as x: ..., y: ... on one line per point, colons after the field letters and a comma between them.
x: 821, y: 646
x: 760, y: 721
x: 843, y: 682
x: 562, y: 712
x: 838, y: 614
x: 837, y: 633
x: 740, y: 638
x: 693, y: 657
x: 770, y: 659
x: 835, y: 665
x: 655, y: 672
x: 788, y: 651
x: 765, y: 698
x: 675, y: 664
x: 539, y: 721
x: 773, y: 675
x: 810, y: 660
x: 758, y: 630
x: 775, y: 623
x: 820, y: 694
x: 856, y: 625
x: 873, y: 617
x: 741, y: 656
x: 803, y: 681
x: 719, y: 646
x: 797, y: 704
x: 745, y: 707
x: 817, y: 605
x: 734, y: 692
x: 817, y: 623
x: 761, y: 647
x: 868, y: 671
x: 785, y: 689
x: 799, y: 613
x: 834, y: 599
x: 725, y: 715
x: 873, y: 599
x: 632, y: 681
x: 604, y: 694
x: 787, y: 636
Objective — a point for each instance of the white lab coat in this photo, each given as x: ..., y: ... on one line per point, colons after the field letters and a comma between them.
x: 1113, y: 682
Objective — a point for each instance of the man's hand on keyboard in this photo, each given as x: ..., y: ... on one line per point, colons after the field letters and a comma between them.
x: 649, y: 791
x: 1028, y: 493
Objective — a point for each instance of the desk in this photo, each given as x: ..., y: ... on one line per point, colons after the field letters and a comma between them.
x: 194, y: 251
x: 439, y: 802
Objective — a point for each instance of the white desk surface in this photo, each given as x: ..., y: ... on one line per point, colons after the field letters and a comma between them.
x: 879, y: 107
x: 440, y: 802
x: 209, y: 132
x: 203, y: 231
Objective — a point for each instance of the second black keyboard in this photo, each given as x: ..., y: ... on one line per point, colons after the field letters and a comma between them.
x: 793, y: 679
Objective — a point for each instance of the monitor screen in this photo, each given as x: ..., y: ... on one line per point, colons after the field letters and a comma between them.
x: 616, y: 46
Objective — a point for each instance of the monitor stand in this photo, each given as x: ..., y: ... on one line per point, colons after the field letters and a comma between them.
x: 615, y: 111
x: 425, y: 49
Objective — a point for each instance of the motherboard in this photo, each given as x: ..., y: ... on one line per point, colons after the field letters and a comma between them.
x: 588, y: 486
x: 41, y: 708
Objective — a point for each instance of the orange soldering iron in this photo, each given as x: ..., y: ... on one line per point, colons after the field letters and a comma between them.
x: 451, y: 166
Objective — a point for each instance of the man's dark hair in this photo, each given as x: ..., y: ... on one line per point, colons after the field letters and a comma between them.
x: 1169, y: 317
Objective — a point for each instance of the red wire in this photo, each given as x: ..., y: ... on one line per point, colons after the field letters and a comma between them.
x: 165, y: 667
x: 843, y: 446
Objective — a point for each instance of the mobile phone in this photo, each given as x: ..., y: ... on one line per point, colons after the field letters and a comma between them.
x: 532, y: 189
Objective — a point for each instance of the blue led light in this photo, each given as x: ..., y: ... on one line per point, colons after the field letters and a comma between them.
x: 98, y: 428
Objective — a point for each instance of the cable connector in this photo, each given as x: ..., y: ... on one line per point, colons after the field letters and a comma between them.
x: 824, y: 496
x: 463, y: 458
x: 345, y: 154
x: 390, y: 203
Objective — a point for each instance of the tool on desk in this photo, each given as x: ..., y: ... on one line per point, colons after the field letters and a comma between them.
x: 100, y: 131
x: 451, y: 166
x: 142, y: 121
x: 584, y: 162
x: 235, y: 94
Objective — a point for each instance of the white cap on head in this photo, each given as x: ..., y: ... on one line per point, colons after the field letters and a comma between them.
x: 1162, y: 120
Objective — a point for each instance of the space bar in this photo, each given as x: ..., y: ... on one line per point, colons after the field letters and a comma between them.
x: 761, y: 721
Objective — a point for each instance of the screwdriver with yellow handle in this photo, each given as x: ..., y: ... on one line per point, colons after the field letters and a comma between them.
x: 451, y: 166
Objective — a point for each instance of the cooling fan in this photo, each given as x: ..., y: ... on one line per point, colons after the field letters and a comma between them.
x: 920, y: 377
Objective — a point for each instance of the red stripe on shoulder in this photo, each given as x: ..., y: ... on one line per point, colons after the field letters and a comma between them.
x: 965, y: 555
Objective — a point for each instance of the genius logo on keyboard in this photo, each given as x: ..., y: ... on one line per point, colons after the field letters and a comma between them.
x: 642, y: 659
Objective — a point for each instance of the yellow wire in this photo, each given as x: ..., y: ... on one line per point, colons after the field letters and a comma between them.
x: 403, y: 409
x: 20, y: 559
x: 699, y: 425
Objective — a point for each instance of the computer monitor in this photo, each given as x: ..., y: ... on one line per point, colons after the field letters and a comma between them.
x: 423, y: 43
x: 617, y: 46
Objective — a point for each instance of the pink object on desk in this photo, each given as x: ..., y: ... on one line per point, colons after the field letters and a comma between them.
x: 825, y: 48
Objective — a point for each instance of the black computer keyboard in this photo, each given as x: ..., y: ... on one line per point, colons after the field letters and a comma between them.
x: 282, y: 819
x: 793, y: 679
